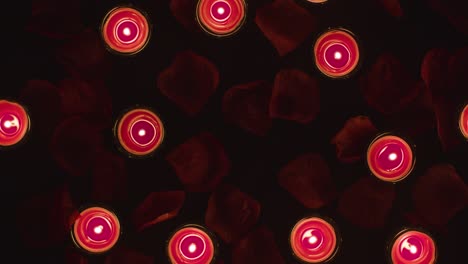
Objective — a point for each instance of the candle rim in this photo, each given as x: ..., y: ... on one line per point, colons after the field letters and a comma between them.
x: 461, y: 125
x: 397, y: 234
x: 24, y: 110
x: 132, y: 7
x: 242, y: 21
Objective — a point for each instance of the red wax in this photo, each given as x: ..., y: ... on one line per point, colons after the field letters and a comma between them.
x: 390, y: 158
x: 413, y: 247
x: 139, y: 131
x: 14, y: 123
x: 96, y: 230
x: 125, y: 30
x: 463, y: 122
x: 191, y: 245
x: 221, y: 17
x: 336, y: 53
x: 313, y: 240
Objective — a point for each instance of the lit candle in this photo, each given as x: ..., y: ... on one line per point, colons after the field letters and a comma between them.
x: 221, y: 17
x: 14, y: 123
x: 125, y: 30
x: 390, y: 158
x: 139, y: 131
x: 96, y: 230
x: 336, y: 53
x: 413, y: 247
x: 313, y: 240
x: 463, y: 122
x: 191, y: 244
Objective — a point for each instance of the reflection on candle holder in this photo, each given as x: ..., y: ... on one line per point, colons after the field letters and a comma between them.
x: 390, y: 158
x: 14, y: 123
x: 317, y: 1
x: 139, y: 132
x: 125, y: 30
x: 314, y: 240
x: 221, y: 17
x: 463, y: 122
x: 413, y: 247
x: 96, y: 230
x: 336, y: 53
x: 191, y: 244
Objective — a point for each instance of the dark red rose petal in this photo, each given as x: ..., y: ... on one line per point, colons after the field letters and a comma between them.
x: 200, y: 162
x: 109, y: 180
x: 439, y: 194
x: 295, y: 96
x: 352, y: 140
x: 89, y: 98
x: 458, y: 74
x: 184, y: 12
x: 454, y: 10
x: 158, y: 207
x: 447, y: 120
x: 285, y: 24
x: 84, y: 56
x: 75, y: 145
x: 392, y: 7
x: 43, y: 103
x: 308, y: 179
x: 434, y: 72
x: 257, y: 247
x: 55, y: 18
x: 367, y: 203
x: 189, y: 81
x: 231, y: 213
x: 387, y: 87
x: 125, y: 255
x: 45, y: 219
x: 247, y: 106
x: 73, y: 256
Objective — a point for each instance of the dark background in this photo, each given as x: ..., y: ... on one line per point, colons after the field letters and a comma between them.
x: 244, y: 57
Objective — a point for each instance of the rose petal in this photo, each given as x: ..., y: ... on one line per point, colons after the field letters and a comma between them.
x: 200, y: 162
x: 73, y: 256
x: 184, y: 12
x: 454, y: 10
x: 43, y: 102
x: 189, y: 81
x: 55, y: 18
x: 367, y: 203
x: 285, y: 24
x: 247, y: 106
x: 45, y: 219
x: 308, y: 179
x: 109, y: 178
x: 447, y: 120
x: 257, y: 247
x: 125, y: 255
x: 439, y: 194
x: 91, y: 99
x: 75, y: 144
x: 388, y: 87
x: 158, y: 207
x: 392, y: 7
x: 231, y: 213
x: 434, y: 72
x: 295, y: 96
x: 352, y: 140
x: 84, y: 56
x: 458, y: 74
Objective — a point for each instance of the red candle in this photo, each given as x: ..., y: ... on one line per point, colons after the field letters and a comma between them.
x: 413, y: 247
x: 313, y: 240
x: 191, y: 244
x: 96, y: 230
x: 14, y: 123
x: 221, y: 17
x: 390, y: 158
x: 125, y: 30
x: 139, y: 132
x: 336, y: 53
x: 463, y: 122
x: 317, y: 1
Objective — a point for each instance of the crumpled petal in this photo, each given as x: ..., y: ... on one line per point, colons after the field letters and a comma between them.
x: 392, y: 7
x: 454, y: 10
x: 189, y: 81
x: 231, y: 213
x: 434, y: 72
x: 285, y: 24
x: 258, y: 246
x: 352, y: 140
x: 247, y: 106
x: 73, y: 256
x: 200, y: 163
x: 126, y: 255
x: 308, y: 179
x: 157, y: 207
x: 295, y: 96
x: 184, y: 12
x: 367, y: 203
